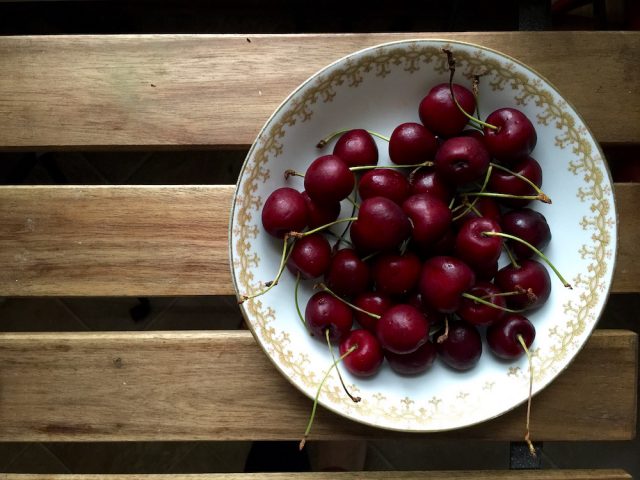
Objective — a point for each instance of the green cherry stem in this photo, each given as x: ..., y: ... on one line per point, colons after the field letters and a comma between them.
x: 534, y: 249
x: 511, y: 256
x: 323, y: 143
x: 527, y: 436
x: 543, y: 196
x: 292, y: 173
x: 333, y: 357
x: 471, y: 206
x: 274, y: 282
x: 340, y: 238
x: 295, y: 299
x: 331, y: 292
x: 371, y: 167
x: 321, y: 227
x: 489, y: 304
x: 353, y: 202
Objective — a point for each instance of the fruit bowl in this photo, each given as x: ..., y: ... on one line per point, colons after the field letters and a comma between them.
x: 377, y: 89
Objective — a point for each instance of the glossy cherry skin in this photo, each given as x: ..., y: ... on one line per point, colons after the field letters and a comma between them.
x: 357, y: 148
x: 443, y: 281
x: 381, y: 225
x: 396, y: 274
x: 528, y: 225
x: 328, y: 179
x: 532, y: 277
x: 402, y: 329
x: 372, y: 302
x: 415, y: 362
x: 503, y: 182
x: 324, y: 311
x: 347, y: 275
x: 462, y: 160
x: 439, y: 113
x: 411, y: 143
x: 320, y: 213
x: 502, y: 336
x: 462, y: 348
x: 475, y: 248
x: 366, y: 359
x: 427, y: 180
x: 487, y: 207
x: 430, y: 218
x: 384, y: 182
x: 477, y: 313
x: 284, y: 211
x: 310, y: 256
x: 515, y: 137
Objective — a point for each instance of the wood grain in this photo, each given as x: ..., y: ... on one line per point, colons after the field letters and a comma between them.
x: 86, y: 91
x: 155, y: 241
x: 221, y: 386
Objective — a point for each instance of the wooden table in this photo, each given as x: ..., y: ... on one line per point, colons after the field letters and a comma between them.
x: 216, y: 91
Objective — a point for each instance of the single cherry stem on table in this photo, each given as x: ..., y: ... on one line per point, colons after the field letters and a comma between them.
x: 274, y: 282
x: 333, y: 357
x: 323, y: 143
x: 331, y: 292
x: 527, y: 437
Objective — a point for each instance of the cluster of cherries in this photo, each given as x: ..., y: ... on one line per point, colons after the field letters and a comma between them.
x: 419, y: 271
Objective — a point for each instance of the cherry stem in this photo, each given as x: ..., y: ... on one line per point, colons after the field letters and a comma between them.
x: 331, y: 292
x: 323, y: 143
x: 543, y: 196
x: 295, y: 299
x: 489, y: 304
x: 471, y: 206
x: 321, y: 227
x: 511, y: 256
x: 538, y: 252
x: 371, y: 167
x: 527, y: 438
x: 340, y: 238
x: 475, y: 88
x: 315, y: 401
x: 274, y: 282
x: 452, y: 70
x: 445, y: 335
x: 292, y: 173
x: 370, y: 256
x: 353, y: 202
x: 344, y: 387
x: 502, y: 294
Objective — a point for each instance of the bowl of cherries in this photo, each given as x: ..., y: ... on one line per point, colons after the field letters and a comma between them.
x: 423, y: 235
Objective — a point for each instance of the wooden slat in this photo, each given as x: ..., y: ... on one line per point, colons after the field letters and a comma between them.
x: 186, y: 90
x: 221, y: 386
x: 154, y: 241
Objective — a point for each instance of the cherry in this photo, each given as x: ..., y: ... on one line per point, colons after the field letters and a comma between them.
x: 415, y: 362
x: 462, y: 160
x: 462, y: 347
x: 356, y: 148
x: 515, y: 136
x: 320, y: 213
x: 475, y: 248
x: 528, y: 225
x: 326, y: 312
x: 381, y: 225
x: 439, y: 113
x: 479, y: 314
x: 485, y: 272
x: 372, y: 302
x: 443, y: 281
x: 366, y: 359
x: 347, y: 274
x: 310, y: 256
x: 427, y: 180
x: 411, y: 143
x: 475, y: 133
x: 530, y: 277
x: 384, y: 182
x: 402, y: 329
x: 395, y: 274
x: 505, y: 182
x: 285, y: 210
x: 487, y: 207
x: 444, y: 246
x: 429, y: 216
x: 328, y: 179
x: 502, y: 336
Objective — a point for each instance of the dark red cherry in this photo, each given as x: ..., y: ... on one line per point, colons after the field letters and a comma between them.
x: 366, y: 359
x: 473, y: 132
x: 528, y: 225
x: 347, y: 275
x: 284, y: 211
x: 381, y: 225
x: 440, y: 114
x: 443, y: 281
x: 430, y: 218
x: 444, y: 246
x: 357, y: 148
x: 502, y: 336
x: 320, y: 213
x: 514, y: 138
x: 475, y: 248
x: 324, y: 311
x: 372, y: 302
x: 328, y: 179
x: 413, y: 363
x: 402, y: 329
x: 396, y: 274
x: 478, y: 314
x: 384, y: 182
x: 427, y: 180
x: 531, y: 277
x: 504, y: 182
x: 359, y: 240
x: 485, y: 272
x: 462, y: 160
x: 310, y: 256
x: 462, y: 347
x: 411, y: 143
x: 487, y: 207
